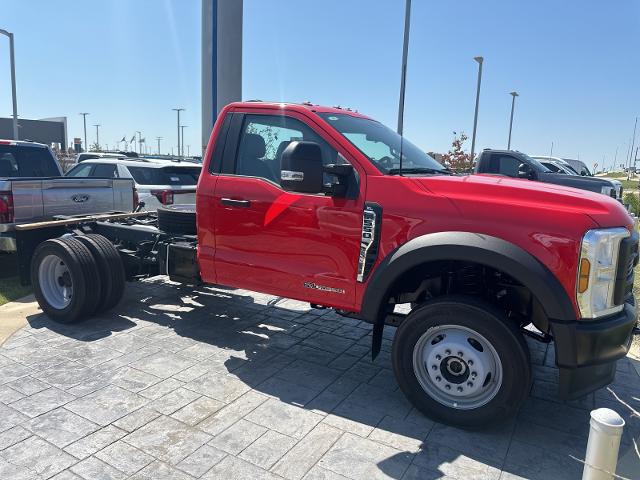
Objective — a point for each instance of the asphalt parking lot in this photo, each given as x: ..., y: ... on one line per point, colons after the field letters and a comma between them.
x: 178, y: 383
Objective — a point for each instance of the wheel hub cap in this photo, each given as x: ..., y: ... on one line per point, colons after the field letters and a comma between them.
x: 457, y: 366
x: 55, y: 282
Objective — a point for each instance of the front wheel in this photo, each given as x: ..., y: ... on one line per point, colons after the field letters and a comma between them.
x: 461, y: 362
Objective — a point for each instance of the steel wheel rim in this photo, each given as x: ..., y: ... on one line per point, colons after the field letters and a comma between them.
x: 457, y: 367
x: 55, y: 282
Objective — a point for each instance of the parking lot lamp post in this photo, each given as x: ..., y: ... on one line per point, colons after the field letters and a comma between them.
x: 178, y: 110
x: 181, y: 152
x: 633, y: 142
x: 158, y: 139
x: 475, y: 115
x: 12, y: 61
x: 513, y: 104
x: 139, y: 141
x: 84, y: 119
x: 97, y: 125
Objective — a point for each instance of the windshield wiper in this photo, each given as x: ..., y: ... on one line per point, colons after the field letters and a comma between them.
x: 396, y: 171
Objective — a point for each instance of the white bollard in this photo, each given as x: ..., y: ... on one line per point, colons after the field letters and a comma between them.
x: 603, y: 445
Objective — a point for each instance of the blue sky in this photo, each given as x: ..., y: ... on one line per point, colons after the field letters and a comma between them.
x: 128, y: 62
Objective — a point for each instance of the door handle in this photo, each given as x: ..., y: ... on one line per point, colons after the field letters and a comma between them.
x: 231, y: 202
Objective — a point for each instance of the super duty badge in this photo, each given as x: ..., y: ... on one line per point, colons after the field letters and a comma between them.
x: 370, y: 239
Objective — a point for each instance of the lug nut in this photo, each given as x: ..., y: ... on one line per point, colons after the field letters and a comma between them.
x: 474, y: 374
x: 460, y: 354
x: 438, y: 357
x: 434, y: 367
x: 469, y: 384
x: 438, y: 379
x: 459, y: 389
x: 447, y: 352
x: 470, y: 362
x: 447, y: 386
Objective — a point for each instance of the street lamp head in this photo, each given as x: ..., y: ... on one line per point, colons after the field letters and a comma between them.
x: 514, y: 94
x: 479, y: 59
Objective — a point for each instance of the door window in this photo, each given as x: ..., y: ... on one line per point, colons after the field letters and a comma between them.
x: 104, y: 171
x: 81, y: 170
x: 263, y: 140
x: 508, y: 165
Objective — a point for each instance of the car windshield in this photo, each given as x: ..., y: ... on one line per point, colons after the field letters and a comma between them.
x: 165, y: 175
x: 382, y: 145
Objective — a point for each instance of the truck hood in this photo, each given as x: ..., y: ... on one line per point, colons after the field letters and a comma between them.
x: 593, y: 184
x: 529, y: 196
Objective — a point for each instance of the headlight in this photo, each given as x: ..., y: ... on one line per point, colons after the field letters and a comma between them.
x: 610, y: 191
x: 597, y: 271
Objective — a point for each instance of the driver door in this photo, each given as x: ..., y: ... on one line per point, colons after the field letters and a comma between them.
x: 294, y: 245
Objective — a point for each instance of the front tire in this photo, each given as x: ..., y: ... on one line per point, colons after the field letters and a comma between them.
x: 461, y: 362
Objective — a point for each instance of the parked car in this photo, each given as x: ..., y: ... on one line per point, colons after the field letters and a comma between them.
x: 579, y: 166
x: 32, y: 188
x: 157, y: 182
x: 556, y: 166
x: 93, y: 155
x: 312, y: 203
x: 576, y: 167
x: 516, y: 164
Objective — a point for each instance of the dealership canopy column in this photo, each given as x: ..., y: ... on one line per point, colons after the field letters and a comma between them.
x: 221, y: 59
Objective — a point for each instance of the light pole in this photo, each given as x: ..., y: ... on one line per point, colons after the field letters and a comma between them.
x: 513, y: 104
x: 158, y: 139
x: 181, y: 151
x: 97, y: 125
x: 403, y: 73
x: 139, y: 141
x: 633, y: 142
x: 12, y: 60
x: 475, y: 115
x: 84, y: 119
x: 178, y: 110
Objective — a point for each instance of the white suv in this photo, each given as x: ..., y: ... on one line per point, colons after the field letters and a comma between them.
x: 157, y: 182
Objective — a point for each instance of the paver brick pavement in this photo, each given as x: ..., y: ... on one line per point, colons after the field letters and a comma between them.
x: 213, y: 383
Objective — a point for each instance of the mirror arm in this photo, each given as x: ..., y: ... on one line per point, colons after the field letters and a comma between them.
x: 339, y: 170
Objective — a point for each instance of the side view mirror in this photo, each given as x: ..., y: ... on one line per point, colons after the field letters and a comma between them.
x: 301, y: 167
x: 343, y: 172
x: 524, y: 171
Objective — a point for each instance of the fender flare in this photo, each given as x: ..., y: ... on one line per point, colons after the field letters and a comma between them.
x: 463, y: 246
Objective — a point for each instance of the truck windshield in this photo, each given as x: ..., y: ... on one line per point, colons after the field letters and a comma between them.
x: 382, y: 145
x: 26, y: 161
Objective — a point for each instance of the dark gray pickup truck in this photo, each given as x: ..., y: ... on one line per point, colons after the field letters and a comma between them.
x: 516, y: 164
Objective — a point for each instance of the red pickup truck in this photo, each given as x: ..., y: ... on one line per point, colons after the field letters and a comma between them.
x: 328, y: 206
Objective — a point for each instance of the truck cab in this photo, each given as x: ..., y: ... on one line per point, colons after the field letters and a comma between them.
x: 329, y: 206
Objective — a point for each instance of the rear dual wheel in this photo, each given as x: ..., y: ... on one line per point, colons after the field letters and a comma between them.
x: 75, y: 277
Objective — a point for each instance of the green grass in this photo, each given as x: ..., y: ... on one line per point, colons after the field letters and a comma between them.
x: 10, y: 288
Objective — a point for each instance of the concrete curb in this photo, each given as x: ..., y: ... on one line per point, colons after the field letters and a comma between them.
x: 13, y: 315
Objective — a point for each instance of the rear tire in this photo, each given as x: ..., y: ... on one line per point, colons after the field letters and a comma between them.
x: 110, y: 269
x: 65, y: 279
x: 461, y: 362
x: 179, y: 219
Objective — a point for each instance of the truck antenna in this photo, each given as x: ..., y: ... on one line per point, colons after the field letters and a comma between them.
x: 403, y: 77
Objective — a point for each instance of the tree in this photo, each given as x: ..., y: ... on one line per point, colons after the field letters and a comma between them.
x: 456, y: 159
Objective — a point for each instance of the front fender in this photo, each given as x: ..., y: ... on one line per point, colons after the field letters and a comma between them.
x: 464, y: 246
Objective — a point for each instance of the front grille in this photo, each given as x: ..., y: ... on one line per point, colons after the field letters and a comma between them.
x: 627, y: 260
